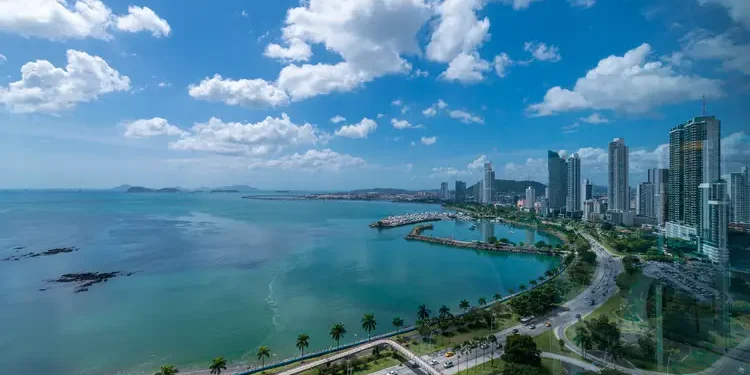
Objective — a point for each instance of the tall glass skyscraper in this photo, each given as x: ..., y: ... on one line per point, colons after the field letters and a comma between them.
x: 618, y: 192
x: 573, y: 196
x: 557, y: 173
x: 739, y: 196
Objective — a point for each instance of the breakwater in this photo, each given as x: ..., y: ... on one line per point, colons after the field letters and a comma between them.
x: 416, y: 235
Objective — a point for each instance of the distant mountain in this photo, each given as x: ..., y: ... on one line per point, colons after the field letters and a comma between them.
x: 239, y: 188
x: 141, y: 189
x: 224, y: 191
x: 178, y: 189
x: 509, y: 186
x: 382, y: 191
x: 122, y: 188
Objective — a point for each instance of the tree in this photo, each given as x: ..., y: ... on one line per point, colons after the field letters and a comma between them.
x: 519, y: 369
x: 672, y: 352
x: 631, y: 263
x: 464, y: 305
x: 398, y: 323
x: 522, y: 287
x: 533, y: 282
x: 511, y: 290
x: 497, y: 297
x: 445, y: 312
x: 423, y: 312
x: 540, y: 244
x: 561, y: 343
x: 263, y: 353
x: 302, y: 343
x: 218, y: 364
x: 337, y: 332
x: 521, y: 349
x: 604, y: 334
x: 541, y: 278
x: 482, y: 301
x: 492, y: 239
x: 647, y: 346
x: 368, y: 324
x: 376, y: 351
x: 167, y: 370
x: 583, y: 339
x: 548, y: 273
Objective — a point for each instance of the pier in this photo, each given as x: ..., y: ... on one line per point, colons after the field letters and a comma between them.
x: 408, y: 219
x: 416, y: 235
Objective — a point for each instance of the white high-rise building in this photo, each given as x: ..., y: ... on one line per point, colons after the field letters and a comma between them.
x: 444, y: 192
x: 588, y: 209
x: 530, y: 198
x: 617, y: 194
x: 739, y: 196
x: 645, y: 199
x: 714, y: 221
x: 573, y: 196
x: 489, y: 179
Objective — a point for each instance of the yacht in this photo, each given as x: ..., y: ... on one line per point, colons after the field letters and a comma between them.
x: 472, y: 227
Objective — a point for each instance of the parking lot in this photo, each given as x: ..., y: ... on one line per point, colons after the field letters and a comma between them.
x: 691, y: 278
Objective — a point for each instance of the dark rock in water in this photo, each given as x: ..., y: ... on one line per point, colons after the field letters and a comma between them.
x: 58, y: 250
x: 86, y: 279
x: 79, y: 290
x: 42, y: 289
x: 19, y: 248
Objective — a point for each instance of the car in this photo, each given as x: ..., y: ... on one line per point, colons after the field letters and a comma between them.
x: 391, y: 372
x: 532, y: 326
x: 548, y: 324
x: 434, y: 362
x: 592, y: 302
x: 449, y: 354
x: 515, y: 331
x: 566, y: 308
x: 483, y: 346
x: 448, y: 364
x: 578, y: 316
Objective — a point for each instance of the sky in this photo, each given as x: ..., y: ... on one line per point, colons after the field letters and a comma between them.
x: 345, y: 94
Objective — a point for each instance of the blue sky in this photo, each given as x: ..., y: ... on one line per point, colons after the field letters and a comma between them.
x: 165, y: 93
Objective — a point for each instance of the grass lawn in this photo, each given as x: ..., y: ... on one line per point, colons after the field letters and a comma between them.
x: 547, y: 342
x: 549, y: 366
x: 378, y: 364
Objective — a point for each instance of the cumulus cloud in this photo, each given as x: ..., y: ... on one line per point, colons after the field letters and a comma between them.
x: 700, y: 45
x: 427, y: 141
x: 477, y: 163
x: 421, y: 73
x: 432, y: 110
x: 271, y: 135
x: 447, y: 172
x: 466, y: 68
x: 61, y: 20
x: 501, y: 63
x: 145, y: 128
x: 250, y: 93
x: 296, y: 50
x: 465, y: 117
x: 338, y: 118
x: 143, y: 19
x: 628, y: 83
x: 542, y: 52
x: 358, y: 130
x: 458, y: 30
x: 325, y: 160
x: 429, y: 112
x: 735, y: 150
x: 518, y: 4
x: 595, y: 118
x: 739, y: 10
x: 582, y: 3
x: 397, y: 103
x: 403, y: 124
x: 46, y: 88
x: 533, y: 168
x: 572, y: 128
x: 3, y: 58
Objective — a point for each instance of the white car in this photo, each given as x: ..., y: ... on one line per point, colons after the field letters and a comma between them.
x: 434, y: 362
x: 392, y: 372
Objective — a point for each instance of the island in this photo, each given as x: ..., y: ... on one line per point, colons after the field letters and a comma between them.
x: 224, y: 191
x: 141, y: 189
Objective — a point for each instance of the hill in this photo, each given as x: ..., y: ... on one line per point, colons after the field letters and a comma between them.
x: 121, y: 188
x: 141, y: 189
x: 510, y: 186
x: 381, y: 191
x: 238, y: 188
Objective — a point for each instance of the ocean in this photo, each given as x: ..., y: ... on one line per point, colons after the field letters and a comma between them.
x: 218, y: 275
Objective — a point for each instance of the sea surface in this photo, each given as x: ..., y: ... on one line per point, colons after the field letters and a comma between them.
x: 218, y: 275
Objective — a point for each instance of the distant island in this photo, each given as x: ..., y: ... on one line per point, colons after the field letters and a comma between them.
x: 141, y: 189
x: 177, y: 189
x: 224, y: 191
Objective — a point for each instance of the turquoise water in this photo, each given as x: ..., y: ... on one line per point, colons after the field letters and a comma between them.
x: 220, y: 275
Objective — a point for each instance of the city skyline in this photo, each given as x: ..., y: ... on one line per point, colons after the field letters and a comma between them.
x: 260, y: 105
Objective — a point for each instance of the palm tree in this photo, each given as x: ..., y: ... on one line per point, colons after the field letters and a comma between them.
x: 511, y: 290
x: 497, y: 297
x: 522, y: 287
x: 464, y: 305
x: 368, y: 324
x: 337, y: 333
x: 481, y: 301
x: 398, y: 323
x: 263, y: 353
x: 541, y: 278
x: 583, y: 339
x: 167, y: 370
x: 302, y: 343
x: 533, y: 282
x: 548, y: 273
x: 423, y: 312
x: 218, y: 364
x: 445, y: 312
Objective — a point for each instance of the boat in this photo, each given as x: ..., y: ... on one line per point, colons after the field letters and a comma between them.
x: 472, y: 227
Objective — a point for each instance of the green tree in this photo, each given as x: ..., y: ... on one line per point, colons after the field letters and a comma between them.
x: 631, y: 263
x: 423, y: 312
x: 521, y: 349
x: 167, y: 370
x: 263, y: 353
x: 217, y: 365
x: 583, y: 339
x: 561, y: 343
x: 303, y: 341
x: 548, y: 273
x: 522, y: 287
x: 464, y: 305
x: 444, y: 312
x: 533, y: 282
x: 492, y: 239
x: 398, y: 323
x: 540, y: 244
x: 511, y: 291
x: 497, y: 297
x: 482, y: 301
x: 519, y: 369
x: 337, y: 332
x: 368, y: 324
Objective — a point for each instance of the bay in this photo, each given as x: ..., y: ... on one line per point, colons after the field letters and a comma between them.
x: 215, y: 274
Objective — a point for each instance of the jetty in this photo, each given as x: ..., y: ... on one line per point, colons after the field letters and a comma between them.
x: 409, y: 219
x: 416, y: 235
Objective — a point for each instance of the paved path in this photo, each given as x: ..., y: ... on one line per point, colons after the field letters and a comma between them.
x: 573, y: 361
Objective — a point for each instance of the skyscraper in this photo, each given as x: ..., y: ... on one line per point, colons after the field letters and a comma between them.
x: 739, y: 196
x: 714, y: 221
x: 645, y: 199
x: 588, y: 190
x: 444, y: 192
x: 701, y: 163
x: 530, y: 198
x: 573, y: 196
x: 557, y: 173
x: 489, y: 180
x: 659, y: 178
x: 676, y: 187
x: 460, y: 191
x: 618, y: 197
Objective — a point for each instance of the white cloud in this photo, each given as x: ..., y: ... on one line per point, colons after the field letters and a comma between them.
x: 3, y: 58
x: 735, y: 150
x: 427, y: 141
x: 338, y: 118
x: 143, y: 19
x: 46, y: 88
x: 380, y: 115
x: 536, y: 169
x: 501, y: 64
x: 263, y: 36
x: 701, y: 46
x: 466, y: 68
x: 164, y: 84
x: 405, y: 109
x: 325, y: 160
x: 627, y: 83
x: 430, y: 112
x: 542, y: 52
x: 265, y: 137
x: 433, y: 109
x: 421, y: 73
x: 359, y: 130
x: 519, y: 4
x: 403, y: 124
x: 296, y: 50
x: 397, y: 102
x: 582, y: 3
x: 458, y: 30
x: 306, y: 81
x: 739, y: 10
x: 478, y: 163
x: 595, y: 118
x: 441, y: 104
x: 572, y: 128
x: 145, y: 128
x: 465, y: 117
x: 61, y: 20
x: 244, y: 13
x: 251, y: 93
x: 447, y: 172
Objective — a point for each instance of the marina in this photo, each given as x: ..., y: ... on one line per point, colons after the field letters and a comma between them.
x: 415, y: 218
